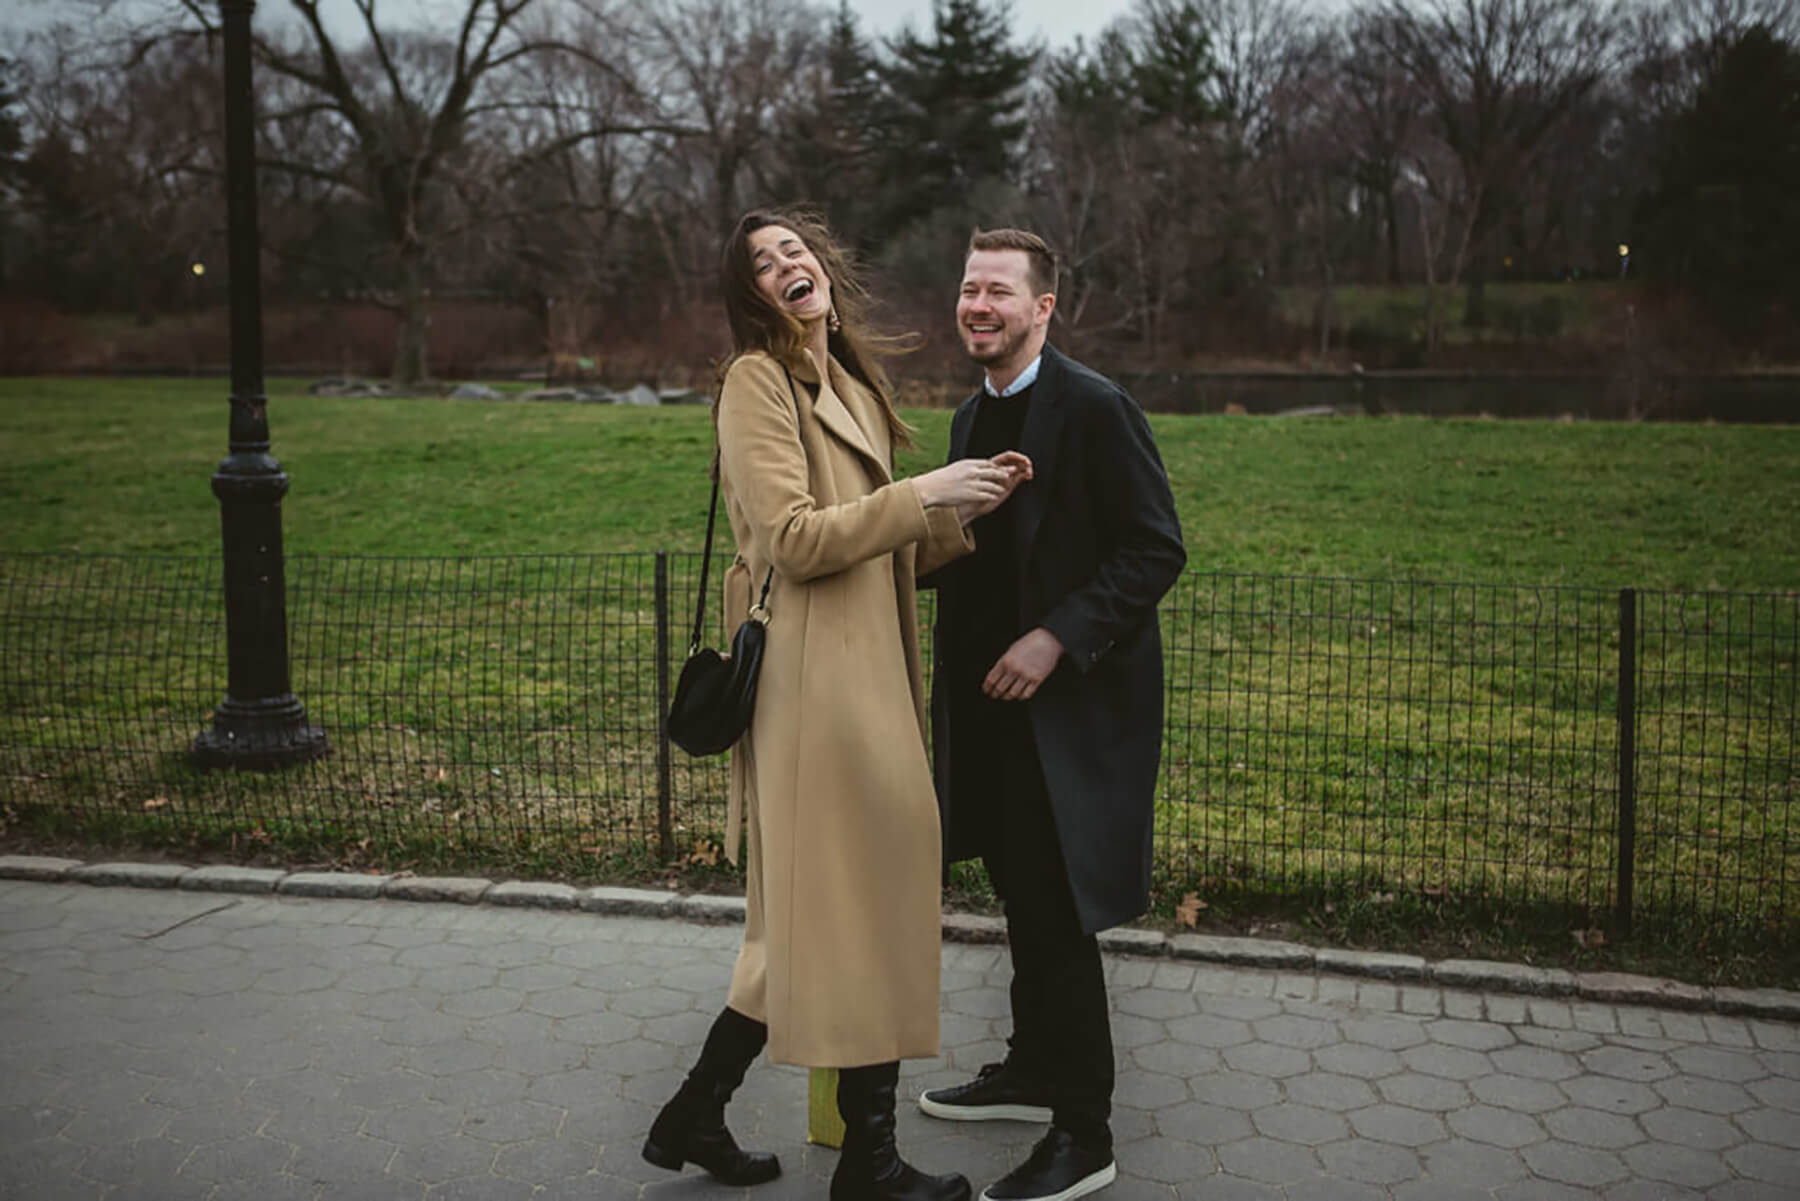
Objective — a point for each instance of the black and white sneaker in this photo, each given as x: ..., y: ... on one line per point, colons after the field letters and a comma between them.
x: 1058, y: 1169
x: 998, y: 1093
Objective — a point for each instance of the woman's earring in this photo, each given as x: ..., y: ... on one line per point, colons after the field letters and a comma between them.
x: 831, y: 320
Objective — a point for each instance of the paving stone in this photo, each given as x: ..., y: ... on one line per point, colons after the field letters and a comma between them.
x: 1517, y: 1092
x: 1398, y: 1125
x: 1718, y: 1063
x: 36, y: 867
x: 1248, y: 952
x: 350, y: 885
x: 130, y: 875
x: 1751, y: 1190
x: 1380, y: 964
x: 1369, y: 1161
x: 1302, y: 1124
x: 1327, y: 1091
x: 1431, y: 1093
x: 1500, y: 1127
x: 1574, y: 1164
x: 1268, y: 1160
x: 1460, y: 1159
x: 705, y: 908
x: 1691, y: 1128
x: 1759, y: 1161
x: 1771, y: 1126
x: 1650, y: 1190
x: 1511, y: 977
x: 1593, y: 1128
x: 1203, y: 1123
x: 1761, y: 1002
x: 227, y: 878
x: 1328, y: 1188
x: 1223, y: 1186
x: 1641, y: 1066
x: 1266, y: 1059
x: 499, y: 1051
x: 535, y: 895
x: 465, y: 890
x: 1452, y: 1063
x: 1387, y: 1033
x: 1677, y: 1165
x: 1708, y: 1096
x: 1623, y: 988
x: 643, y: 902
x: 1125, y: 940
x: 1538, y: 1063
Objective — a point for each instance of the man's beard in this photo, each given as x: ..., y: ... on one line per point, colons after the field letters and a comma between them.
x: 1003, y: 346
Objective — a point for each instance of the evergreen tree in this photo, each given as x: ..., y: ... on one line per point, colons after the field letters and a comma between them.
x: 12, y: 161
x: 955, y: 110
x: 830, y: 141
x: 1725, y: 217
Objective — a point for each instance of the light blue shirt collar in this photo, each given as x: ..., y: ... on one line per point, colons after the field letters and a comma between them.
x: 1025, y: 379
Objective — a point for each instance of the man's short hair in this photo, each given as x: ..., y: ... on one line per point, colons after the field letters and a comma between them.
x: 1040, y: 270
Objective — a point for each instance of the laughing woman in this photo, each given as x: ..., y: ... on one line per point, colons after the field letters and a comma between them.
x: 839, y: 966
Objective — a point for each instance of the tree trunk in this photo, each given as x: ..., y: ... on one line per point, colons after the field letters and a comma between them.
x: 415, y: 319
x: 1393, y: 234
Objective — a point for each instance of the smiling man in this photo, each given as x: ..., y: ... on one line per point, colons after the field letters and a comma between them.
x: 1047, y: 707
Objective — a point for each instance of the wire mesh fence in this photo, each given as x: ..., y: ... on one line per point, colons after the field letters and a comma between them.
x: 1579, y: 748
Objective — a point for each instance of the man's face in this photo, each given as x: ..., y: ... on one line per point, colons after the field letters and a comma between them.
x: 997, y: 314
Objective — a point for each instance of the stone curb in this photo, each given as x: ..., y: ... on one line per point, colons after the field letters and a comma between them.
x: 1618, y: 988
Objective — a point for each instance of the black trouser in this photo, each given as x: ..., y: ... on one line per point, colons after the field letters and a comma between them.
x: 1061, y: 1033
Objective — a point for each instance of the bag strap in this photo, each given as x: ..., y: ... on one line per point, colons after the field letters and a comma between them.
x: 760, y: 610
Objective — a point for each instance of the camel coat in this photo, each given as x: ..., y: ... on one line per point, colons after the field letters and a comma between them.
x: 841, y: 941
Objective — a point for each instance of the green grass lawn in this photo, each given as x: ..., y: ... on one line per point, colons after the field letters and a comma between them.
x: 124, y: 465
x: 1340, y: 727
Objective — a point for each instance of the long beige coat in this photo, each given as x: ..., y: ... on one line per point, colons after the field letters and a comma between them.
x: 841, y: 941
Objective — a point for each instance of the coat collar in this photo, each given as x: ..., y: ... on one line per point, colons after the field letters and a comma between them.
x: 836, y: 391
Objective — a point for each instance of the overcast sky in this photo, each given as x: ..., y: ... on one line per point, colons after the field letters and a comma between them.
x: 1056, y: 22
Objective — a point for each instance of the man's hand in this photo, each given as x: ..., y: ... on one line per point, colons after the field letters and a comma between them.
x: 1026, y: 664
x: 1018, y: 469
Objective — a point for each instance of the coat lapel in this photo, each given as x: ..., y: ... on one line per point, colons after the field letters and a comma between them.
x: 1038, y: 442
x: 834, y: 414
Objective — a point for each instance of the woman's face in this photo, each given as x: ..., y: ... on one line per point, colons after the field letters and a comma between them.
x: 788, y: 274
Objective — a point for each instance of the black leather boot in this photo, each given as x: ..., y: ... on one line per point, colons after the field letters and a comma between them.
x: 870, y: 1167
x: 691, y: 1127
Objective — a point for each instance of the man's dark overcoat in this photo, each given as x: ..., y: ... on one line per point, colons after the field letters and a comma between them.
x: 1098, y: 543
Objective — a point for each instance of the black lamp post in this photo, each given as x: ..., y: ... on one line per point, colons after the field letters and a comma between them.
x: 260, y: 724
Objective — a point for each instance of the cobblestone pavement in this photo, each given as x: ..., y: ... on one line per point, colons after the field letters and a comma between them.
x: 173, y: 1045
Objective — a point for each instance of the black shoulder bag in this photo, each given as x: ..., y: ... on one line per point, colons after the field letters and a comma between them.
x: 716, y: 694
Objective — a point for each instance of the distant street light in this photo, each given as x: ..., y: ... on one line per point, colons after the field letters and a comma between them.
x: 1624, y: 259
x: 260, y: 724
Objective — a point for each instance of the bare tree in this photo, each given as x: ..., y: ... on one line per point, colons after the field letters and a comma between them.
x: 122, y: 174
x: 730, y: 71
x: 425, y: 128
x: 1498, y: 78
x: 1378, y: 109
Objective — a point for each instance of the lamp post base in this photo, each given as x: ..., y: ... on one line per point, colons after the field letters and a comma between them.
x: 262, y: 735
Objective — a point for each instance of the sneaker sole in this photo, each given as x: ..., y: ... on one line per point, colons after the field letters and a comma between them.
x: 984, y: 1113
x: 1081, y: 1188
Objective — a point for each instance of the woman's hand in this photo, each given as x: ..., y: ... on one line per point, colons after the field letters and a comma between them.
x: 964, y: 482
x: 1018, y: 469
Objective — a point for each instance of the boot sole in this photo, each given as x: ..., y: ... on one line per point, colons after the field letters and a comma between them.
x: 661, y: 1158
x: 673, y: 1162
x: 1087, y: 1184
x: 984, y: 1113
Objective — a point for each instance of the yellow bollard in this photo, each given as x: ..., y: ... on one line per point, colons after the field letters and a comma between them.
x: 824, y: 1125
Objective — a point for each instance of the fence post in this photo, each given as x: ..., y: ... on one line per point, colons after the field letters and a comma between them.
x: 665, y: 821
x: 1627, y: 709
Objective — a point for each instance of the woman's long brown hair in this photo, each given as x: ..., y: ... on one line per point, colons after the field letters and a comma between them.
x: 756, y: 324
